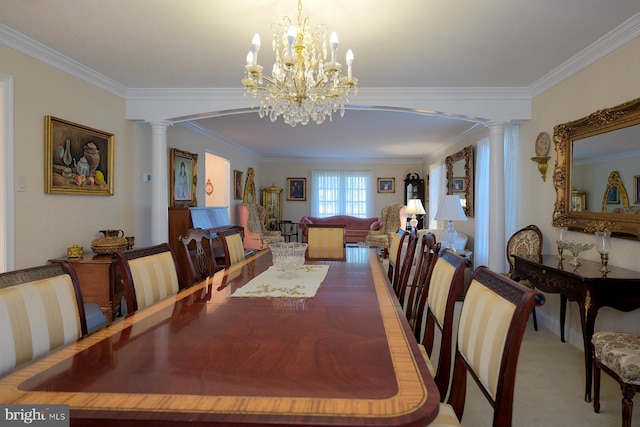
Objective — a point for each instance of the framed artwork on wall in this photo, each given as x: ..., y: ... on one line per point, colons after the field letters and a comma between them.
x: 297, y: 189
x: 78, y: 159
x: 458, y: 185
x: 636, y: 189
x: 386, y: 185
x: 182, y: 169
x: 237, y: 185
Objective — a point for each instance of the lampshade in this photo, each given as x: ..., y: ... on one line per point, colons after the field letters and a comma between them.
x: 414, y: 207
x: 450, y: 209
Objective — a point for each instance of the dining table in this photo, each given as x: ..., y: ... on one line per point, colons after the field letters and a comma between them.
x: 243, y: 348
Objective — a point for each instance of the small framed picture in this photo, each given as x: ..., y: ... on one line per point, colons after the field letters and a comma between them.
x: 458, y: 185
x: 182, y: 170
x: 237, y: 185
x: 636, y: 189
x: 297, y: 189
x: 386, y: 185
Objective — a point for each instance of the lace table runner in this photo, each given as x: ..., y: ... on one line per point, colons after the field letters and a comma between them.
x: 303, y: 282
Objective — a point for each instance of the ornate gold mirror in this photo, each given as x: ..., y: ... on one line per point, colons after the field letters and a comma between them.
x: 460, y: 177
x: 597, y: 157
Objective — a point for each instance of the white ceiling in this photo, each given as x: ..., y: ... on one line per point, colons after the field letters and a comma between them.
x: 161, y: 44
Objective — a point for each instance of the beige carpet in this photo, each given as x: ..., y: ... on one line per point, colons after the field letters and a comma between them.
x: 550, y: 389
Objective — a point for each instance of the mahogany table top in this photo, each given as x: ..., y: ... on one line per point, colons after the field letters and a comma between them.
x: 345, y: 356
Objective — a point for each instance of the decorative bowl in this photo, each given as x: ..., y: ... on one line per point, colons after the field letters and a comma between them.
x: 575, y: 248
x: 288, y: 256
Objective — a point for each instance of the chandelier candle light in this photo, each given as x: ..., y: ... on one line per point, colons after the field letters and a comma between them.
x: 450, y: 209
x: 414, y: 207
x: 302, y: 86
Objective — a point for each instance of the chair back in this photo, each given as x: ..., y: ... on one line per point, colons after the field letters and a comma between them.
x: 149, y: 275
x: 394, y: 217
x: 198, y: 246
x: 326, y: 241
x: 41, y: 310
x: 492, y: 323
x: 446, y: 280
x: 395, y: 256
x: 525, y: 243
x: 407, y: 264
x: 427, y: 255
x: 327, y: 236
x: 233, y: 247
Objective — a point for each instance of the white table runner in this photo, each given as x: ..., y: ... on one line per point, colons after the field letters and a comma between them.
x: 272, y: 284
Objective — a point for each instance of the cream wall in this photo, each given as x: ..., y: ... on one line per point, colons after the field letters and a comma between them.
x: 278, y: 172
x: 46, y: 224
x: 606, y: 83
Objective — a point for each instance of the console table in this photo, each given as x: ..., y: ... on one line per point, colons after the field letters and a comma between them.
x: 586, y: 285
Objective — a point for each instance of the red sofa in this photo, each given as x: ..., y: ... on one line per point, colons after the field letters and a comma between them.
x: 357, y: 228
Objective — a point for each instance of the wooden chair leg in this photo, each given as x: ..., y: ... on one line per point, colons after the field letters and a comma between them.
x: 628, y: 391
x: 596, y: 387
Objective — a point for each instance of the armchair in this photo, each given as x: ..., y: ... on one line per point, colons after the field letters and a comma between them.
x: 394, y: 218
x: 256, y: 236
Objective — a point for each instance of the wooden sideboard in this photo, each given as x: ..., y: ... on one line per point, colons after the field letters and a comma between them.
x: 100, y: 281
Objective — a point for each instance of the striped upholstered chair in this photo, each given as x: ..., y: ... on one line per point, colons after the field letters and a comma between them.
x: 444, y: 284
x: 40, y: 310
x: 149, y: 274
x: 492, y: 323
x: 326, y: 241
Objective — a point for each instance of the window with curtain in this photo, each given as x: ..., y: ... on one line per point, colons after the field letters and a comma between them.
x: 341, y: 193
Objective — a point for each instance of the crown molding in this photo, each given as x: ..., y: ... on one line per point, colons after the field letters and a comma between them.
x: 39, y: 51
x: 613, y: 40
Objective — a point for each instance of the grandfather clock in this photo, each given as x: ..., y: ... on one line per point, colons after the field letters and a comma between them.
x: 272, y: 202
x: 414, y: 189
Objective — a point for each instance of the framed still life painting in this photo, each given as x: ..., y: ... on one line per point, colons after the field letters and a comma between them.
x: 78, y: 159
x: 182, y: 170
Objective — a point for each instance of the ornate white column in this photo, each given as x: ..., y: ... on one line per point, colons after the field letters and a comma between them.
x: 497, y: 240
x: 159, y: 183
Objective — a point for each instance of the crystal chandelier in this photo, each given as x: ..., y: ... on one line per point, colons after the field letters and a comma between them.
x: 302, y: 86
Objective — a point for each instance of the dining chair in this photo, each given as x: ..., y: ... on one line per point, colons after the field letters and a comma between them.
x: 444, y: 283
x: 527, y: 243
x: 395, y: 256
x: 492, y: 323
x: 200, y: 257
x: 618, y: 355
x: 327, y: 235
x: 41, y: 310
x: 233, y: 247
x: 407, y: 266
x: 414, y: 305
x: 326, y: 241
x: 149, y: 275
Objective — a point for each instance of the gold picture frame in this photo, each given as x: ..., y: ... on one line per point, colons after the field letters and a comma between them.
x: 386, y: 185
x: 182, y: 169
x: 78, y: 159
x: 237, y: 184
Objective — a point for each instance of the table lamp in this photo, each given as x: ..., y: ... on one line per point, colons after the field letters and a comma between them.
x: 414, y: 207
x: 450, y: 209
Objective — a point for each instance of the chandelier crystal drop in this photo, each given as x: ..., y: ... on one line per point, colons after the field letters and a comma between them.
x: 302, y: 86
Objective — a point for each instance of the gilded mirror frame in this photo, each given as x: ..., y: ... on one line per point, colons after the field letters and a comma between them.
x: 564, y: 136
x: 465, y: 154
